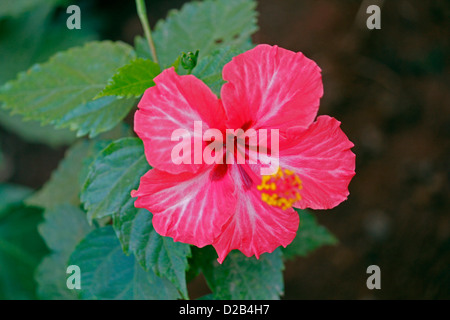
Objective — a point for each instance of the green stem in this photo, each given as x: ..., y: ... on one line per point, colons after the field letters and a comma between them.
x: 142, y: 13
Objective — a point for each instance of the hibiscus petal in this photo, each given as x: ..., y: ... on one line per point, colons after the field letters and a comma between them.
x: 190, y: 208
x: 271, y: 87
x: 256, y: 227
x: 175, y: 103
x: 322, y: 158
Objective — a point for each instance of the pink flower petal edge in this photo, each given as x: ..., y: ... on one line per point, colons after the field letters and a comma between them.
x: 174, y: 103
x: 188, y: 207
x: 321, y: 157
x: 271, y: 87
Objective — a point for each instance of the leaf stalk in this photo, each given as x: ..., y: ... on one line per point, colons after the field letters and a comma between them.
x: 142, y: 13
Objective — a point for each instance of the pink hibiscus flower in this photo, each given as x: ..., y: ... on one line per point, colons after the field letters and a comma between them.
x: 233, y: 206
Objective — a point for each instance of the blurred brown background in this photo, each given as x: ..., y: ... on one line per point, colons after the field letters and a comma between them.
x: 390, y: 89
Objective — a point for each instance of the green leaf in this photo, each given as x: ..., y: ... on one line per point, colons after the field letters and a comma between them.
x: 21, y: 247
x: 112, y: 176
x: 97, y: 116
x: 60, y: 91
x: 33, y: 38
x: 203, y: 26
x: 107, y: 273
x: 66, y: 181
x: 51, y: 279
x: 209, y: 69
x: 34, y: 132
x: 18, y: 7
x: 165, y: 257
x: 11, y: 195
x: 201, y: 260
x: 243, y: 278
x: 64, y: 227
x: 132, y: 79
x: 310, y: 236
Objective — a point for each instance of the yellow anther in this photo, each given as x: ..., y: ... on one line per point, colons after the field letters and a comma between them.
x: 286, y: 183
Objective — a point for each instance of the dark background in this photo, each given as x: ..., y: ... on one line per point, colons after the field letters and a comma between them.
x: 390, y: 89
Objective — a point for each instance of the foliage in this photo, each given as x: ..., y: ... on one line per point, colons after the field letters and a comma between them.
x: 109, y: 274
x: 132, y: 79
x: 60, y: 91
x: 161, y: 254
x: 21, y: 247
x: 112, y: 176
x: 25, y: 50
x: 63, y: 228
x: 204, y: 26
x: 310, y: 236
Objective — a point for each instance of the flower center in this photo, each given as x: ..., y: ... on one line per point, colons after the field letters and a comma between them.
x: 281, y: 189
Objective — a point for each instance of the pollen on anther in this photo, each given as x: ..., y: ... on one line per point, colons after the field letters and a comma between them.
x: 281, y: 189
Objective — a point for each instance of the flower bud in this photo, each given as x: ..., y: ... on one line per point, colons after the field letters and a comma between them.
x: 189, y: 60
